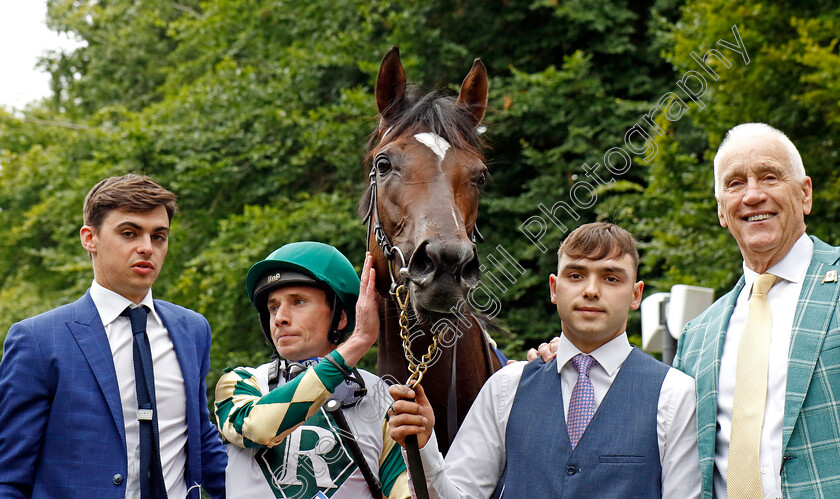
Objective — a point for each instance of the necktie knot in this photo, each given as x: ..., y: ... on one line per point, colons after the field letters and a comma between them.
x: 763, y: 283
x: 137, y: 316
x: 583, y: 363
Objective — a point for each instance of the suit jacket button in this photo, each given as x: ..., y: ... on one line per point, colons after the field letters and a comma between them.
x: 118, y: 479
x: 571, y: 470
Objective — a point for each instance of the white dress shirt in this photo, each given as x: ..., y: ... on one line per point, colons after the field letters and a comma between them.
x: 475, y: 461
x: 169, y: 389
x: 783, y: 297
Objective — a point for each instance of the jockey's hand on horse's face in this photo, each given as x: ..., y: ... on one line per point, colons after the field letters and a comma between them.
x: 367, y: 318
x: 546, y: 351
x: 406, y: 417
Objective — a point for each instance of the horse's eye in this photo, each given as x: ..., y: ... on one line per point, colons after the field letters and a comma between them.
x: 383, y: 164
x: 481, y: 179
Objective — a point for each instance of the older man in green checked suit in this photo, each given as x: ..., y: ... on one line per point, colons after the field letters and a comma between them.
x: 766, y: 356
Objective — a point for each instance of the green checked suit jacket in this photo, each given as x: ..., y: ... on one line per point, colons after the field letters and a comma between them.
x: 811, y: 435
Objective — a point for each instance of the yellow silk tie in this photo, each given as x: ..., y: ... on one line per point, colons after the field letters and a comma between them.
x: 743, y: 475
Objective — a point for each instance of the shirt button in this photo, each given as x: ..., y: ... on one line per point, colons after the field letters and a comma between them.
x: 571, y: 470
x: 118, y: 479
x: 763, y: 470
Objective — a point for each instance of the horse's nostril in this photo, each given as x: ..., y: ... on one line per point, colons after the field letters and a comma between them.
x: 457, y: 260
x: 471, y: 272
x: 421, y: 267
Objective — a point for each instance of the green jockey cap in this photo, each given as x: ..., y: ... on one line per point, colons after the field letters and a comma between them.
x: 306, y: 263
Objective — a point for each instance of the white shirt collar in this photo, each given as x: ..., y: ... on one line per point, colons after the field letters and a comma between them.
x: 792, y: 267
x: 611, y: 355
x: 110, y: 304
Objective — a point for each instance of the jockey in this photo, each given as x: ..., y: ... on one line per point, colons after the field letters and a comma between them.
x: 283, y: 440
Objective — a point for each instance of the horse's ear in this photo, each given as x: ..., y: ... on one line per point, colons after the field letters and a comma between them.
x: 474, y: 91
x: 390, y: 83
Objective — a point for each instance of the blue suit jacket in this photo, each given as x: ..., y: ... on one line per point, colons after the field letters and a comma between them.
x: 811, y: 434
x: 61, y: 423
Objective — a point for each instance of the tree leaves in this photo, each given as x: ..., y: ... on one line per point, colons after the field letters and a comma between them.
x: 257, y: 113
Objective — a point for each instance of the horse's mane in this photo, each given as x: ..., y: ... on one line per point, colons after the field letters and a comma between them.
x: 436, y: 111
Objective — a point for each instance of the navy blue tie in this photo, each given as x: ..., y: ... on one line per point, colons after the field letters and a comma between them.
x: 152, y: 485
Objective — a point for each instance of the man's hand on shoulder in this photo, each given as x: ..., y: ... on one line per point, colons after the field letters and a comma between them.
x: 546, y: 351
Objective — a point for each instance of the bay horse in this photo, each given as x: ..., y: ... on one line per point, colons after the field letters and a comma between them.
x: 421, y: 206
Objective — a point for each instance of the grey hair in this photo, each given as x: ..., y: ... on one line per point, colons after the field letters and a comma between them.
x: 735, y: 136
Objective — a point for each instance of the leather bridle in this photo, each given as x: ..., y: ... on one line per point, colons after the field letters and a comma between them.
x: 390, y: 251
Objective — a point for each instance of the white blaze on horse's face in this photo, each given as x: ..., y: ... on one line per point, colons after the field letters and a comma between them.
x: 436, y: 143
x: 439, y: 146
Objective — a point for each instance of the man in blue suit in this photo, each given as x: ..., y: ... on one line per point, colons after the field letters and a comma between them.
x: 768, y: 408
x: 68, y: 400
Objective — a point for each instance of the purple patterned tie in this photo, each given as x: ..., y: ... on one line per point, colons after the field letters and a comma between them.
x: 582, y: 403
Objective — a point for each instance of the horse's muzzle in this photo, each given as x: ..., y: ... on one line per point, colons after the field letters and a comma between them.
x: 442, y: 273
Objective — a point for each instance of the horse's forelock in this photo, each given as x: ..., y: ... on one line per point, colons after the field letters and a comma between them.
x: 435, y: 111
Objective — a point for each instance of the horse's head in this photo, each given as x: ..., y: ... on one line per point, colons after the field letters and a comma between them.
x: 427, y: 171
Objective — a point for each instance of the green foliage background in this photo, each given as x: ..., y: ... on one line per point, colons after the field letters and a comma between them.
x: 256, y: 113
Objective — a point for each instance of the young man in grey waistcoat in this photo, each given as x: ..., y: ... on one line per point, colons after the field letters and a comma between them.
x: 602, y: 419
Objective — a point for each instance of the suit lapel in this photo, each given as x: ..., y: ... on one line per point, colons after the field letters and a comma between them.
x: 708, y: 377
x: 89, y: 334
x: 809, y: 330
x: 176, y: 325
x: 185, y: 349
